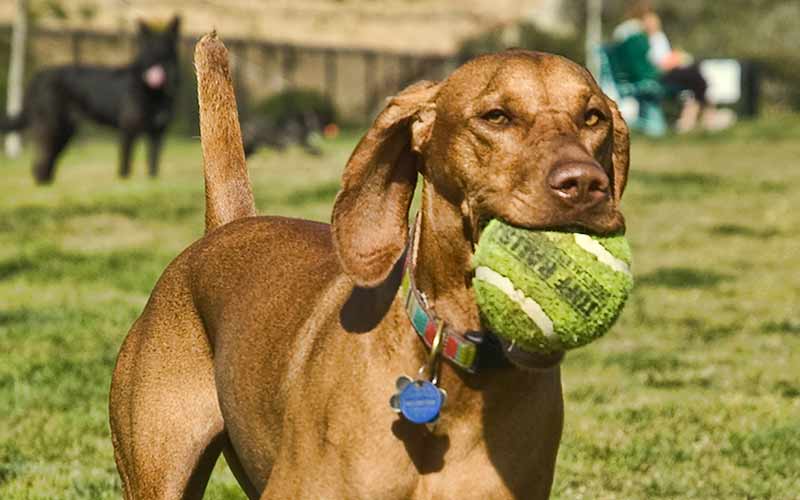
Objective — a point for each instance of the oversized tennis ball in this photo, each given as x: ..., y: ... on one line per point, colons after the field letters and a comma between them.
x: 547, y: 290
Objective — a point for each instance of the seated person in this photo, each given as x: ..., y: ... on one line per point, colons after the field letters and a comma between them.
x: 675, y: 70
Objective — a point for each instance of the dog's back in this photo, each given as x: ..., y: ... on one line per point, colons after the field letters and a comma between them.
x: 94, y: 92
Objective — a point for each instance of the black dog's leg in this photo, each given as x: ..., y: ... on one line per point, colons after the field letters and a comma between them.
x: 154, y: 151
x: 125, y: 154
x: 51, y: 142
x: 308, y: 147
x: 309, y: 125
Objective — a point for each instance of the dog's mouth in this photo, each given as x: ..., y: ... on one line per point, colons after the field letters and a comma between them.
x: 514, y: 353
x: 614, y: 227
x: 483, y: 221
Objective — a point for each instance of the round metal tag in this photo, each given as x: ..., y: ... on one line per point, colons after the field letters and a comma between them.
x: 420, y: 402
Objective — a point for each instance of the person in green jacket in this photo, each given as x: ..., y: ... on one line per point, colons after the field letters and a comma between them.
x: 645, y: 55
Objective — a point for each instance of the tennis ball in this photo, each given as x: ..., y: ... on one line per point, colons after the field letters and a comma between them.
x: 547, y: 290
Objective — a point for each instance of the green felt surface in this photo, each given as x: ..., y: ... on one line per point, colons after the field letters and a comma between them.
x: 582, y: 296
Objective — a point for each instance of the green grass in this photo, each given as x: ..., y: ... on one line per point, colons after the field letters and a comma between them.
x: 694, y: 394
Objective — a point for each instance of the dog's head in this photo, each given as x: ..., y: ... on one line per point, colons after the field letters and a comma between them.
x: 157, y: 58
x: 522, y: 136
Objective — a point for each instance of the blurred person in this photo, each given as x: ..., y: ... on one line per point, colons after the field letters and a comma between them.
x: 675, y: 69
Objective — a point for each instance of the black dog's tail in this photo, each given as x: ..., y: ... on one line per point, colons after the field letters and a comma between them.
x: 11, y: 123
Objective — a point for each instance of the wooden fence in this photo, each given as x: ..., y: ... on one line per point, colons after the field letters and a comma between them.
x: 356, y: 80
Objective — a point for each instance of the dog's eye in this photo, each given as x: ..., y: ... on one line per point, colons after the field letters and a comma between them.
x: 592, y: 117
x: 496, y: 117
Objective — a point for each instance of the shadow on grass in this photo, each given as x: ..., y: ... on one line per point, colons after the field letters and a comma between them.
x: 659, y: 370
x: 312, y: 194
x: 783, y: 326
x: 677, y: 180
x: 645, y: 360
x: 128, y: 270
x: 160, y: 207
x: 12, y: 267
x: 15, y: 316
x: 787, y: 389
x: 9, y: 455
x: 705, y: 331
x: 682, y: 277
x: 748, y: 232
x: 41, y: 319
x: 771, y: 451
x: 323, y: 193
x: 773, y: 187
x: 684, y: 185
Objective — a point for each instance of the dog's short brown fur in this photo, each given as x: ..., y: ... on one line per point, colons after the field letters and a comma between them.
x: 278, y: 341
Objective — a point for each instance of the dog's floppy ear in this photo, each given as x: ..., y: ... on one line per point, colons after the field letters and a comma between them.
x: 370, y: 215
x: 620, y: 155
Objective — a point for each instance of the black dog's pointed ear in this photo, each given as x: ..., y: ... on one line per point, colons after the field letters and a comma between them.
x: 620, y: 153
x: 174, y: 26
x: 144, y: 28
x: 370, y: 215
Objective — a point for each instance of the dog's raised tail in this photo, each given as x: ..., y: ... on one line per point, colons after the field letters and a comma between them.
x: 229, y: 195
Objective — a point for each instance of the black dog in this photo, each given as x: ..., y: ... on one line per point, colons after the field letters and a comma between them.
x: 137, y: 98
x: 287, y: 118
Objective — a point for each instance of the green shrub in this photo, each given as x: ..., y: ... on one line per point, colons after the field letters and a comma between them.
x: 187, y: 113
x: 526, y: 36
x: 287, y: 104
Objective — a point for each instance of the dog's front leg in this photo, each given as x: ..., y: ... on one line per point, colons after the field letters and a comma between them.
x: 155, y: 140
x: 126, y: 145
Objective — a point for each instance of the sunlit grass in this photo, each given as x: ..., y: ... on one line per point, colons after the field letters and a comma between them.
x: 695, y: 394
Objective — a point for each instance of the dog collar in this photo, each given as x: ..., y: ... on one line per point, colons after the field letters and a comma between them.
x: 459, y: 348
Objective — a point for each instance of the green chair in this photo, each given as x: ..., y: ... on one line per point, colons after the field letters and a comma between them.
x: 624, y: 66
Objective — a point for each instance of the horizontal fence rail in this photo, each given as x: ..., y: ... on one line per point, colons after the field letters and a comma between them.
x: 355, y: 79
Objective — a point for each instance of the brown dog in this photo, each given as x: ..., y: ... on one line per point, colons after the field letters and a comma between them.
x: 278, y: 341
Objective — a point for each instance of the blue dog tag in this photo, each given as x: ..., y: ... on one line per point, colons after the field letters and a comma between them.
x: 420, y: 401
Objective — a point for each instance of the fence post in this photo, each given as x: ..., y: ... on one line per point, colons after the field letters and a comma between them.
x: 331, y: 73
x: 398, y: 73
x: 288, y: 65
x: 369, y: 83
x: 76, y: 37
x: 16, y: 72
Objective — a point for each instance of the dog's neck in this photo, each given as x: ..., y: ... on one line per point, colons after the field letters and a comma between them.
x: 443, y: 271
x: 443, y: 274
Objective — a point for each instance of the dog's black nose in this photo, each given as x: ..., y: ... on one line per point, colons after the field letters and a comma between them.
x: 580, y: 184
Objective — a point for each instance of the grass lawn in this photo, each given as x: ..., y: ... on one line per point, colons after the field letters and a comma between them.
x: 694, y: 394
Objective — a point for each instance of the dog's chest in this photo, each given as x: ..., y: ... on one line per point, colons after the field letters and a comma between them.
x: 396, y: 460
x: 390, y: 470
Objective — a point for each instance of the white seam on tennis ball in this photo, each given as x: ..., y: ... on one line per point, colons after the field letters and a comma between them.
x: 593, y: 247
x: 528, y: 305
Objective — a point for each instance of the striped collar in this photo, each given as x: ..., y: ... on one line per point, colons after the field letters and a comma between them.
x: 460, y: 348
